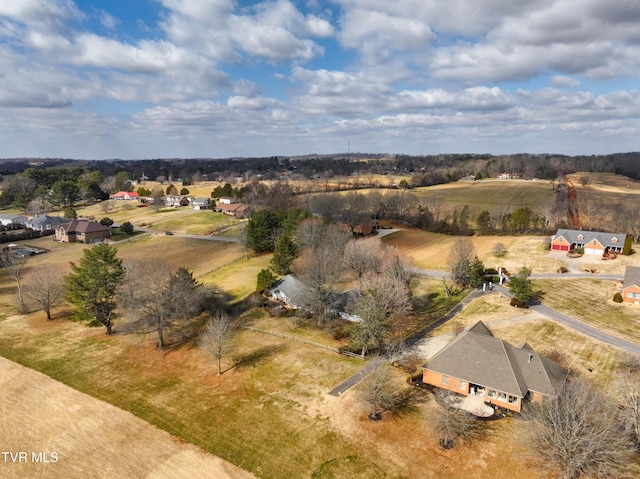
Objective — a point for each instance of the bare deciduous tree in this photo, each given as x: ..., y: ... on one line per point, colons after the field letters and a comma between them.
x: 362, y: 256
x: 629, y: 392
x: 309, y: 233
x: 321, y: 269
x: 15, y: 265
x: 580, y: 434
x: 379, y: 392
x: 106, y: 206
x: 218, y: 335
x: 459, y: 261
x: 160, y: 298
x: 378, y: 305
x: 243, y: 239
x: 45, y: 288
x: 157, y: 195
x: 453, y: 423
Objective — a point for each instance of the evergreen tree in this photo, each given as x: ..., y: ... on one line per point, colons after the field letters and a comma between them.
x: 93, y: 283
x: 260, y: 230
x: 265, y: 280
x: 476, y: 273
x: 484, y: 223
x: 283, y: 255
x: 521, y: 287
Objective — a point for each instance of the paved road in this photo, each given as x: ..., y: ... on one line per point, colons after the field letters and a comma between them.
x: 550, y: 313
x: 356, y: 378
x: 579, y: 326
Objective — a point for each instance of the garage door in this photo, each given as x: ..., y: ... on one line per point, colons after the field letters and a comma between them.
x: 559, y: 247
x: 591, y: 251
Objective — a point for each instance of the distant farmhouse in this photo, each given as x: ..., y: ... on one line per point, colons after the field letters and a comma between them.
x: 83, y: 231
x: 13, y: 220
x: 593, y: 242
x: 126, y: 195
x: 631, y: 285
x: 238, y: 210
x: 201, y: 203
x: 476, y: 363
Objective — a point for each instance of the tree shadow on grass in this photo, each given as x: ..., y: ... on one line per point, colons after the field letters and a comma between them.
x: 252, y: 358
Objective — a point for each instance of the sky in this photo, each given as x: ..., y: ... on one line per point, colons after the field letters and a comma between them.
x: 143, y: 79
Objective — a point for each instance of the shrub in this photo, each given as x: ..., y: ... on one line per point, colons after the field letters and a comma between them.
x: 126, y: 227
x: 499, y: 250
x: 106, y: 221
x: 617, y: 298
x: 518, y: 304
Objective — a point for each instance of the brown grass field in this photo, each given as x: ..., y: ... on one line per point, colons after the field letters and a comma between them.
x: 90, y: 438
x: 269, y: 413
x: 271, y: 416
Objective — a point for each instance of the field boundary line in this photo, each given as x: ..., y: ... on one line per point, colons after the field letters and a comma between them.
x: 304, y: 341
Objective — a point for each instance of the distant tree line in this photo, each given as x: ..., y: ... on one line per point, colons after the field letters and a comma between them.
x: 425, y: 170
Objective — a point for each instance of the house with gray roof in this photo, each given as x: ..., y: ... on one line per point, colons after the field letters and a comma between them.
x: 13, y: 220
x: 476, y: 363
x: 45, y: 223
x: 290, y: 291
x: 593, y: 242
x: 631, y: 285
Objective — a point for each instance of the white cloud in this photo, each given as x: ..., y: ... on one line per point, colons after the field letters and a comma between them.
x: 565, y: 81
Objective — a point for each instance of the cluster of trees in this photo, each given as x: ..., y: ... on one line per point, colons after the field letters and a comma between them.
x: 324, y: 254
x: 103, y: 287
x: 38, y: 190
x: 585, y: 433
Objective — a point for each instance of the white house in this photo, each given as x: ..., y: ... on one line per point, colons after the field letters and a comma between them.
x: 8, y: 220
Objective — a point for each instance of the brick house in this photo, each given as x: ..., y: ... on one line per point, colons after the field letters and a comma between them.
x: 631, y: 285
x: 83, y: 231
x: 595, y: 243
x: 476, y: 363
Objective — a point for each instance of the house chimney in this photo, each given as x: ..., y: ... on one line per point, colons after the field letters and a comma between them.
x: 530, y: 358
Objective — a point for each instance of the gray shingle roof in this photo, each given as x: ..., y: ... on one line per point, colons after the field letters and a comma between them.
x: 480, y: 358
x: 606, y: 239
x: 294, y: 289
x: 631, y: 276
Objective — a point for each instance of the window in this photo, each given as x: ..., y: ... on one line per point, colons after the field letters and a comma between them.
x: 633, y: 295
x: 512, y: 399
x: 502, y: 397
x: 463, y: 385
x: 445, y: 380
x: 491, y: 393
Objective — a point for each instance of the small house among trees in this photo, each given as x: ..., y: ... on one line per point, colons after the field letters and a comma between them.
x: 631, y: 285
x: 290, y: 291
x: 595, y: 243
x: 476, y: 363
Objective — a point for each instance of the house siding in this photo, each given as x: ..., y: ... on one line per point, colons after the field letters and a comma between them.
x: 631, y: 294
x: 453, y: 384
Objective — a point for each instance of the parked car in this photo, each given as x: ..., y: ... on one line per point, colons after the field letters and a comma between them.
x: 168, y: 233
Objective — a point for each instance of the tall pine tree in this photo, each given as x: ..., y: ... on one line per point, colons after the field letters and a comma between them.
x: 93, y: 283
